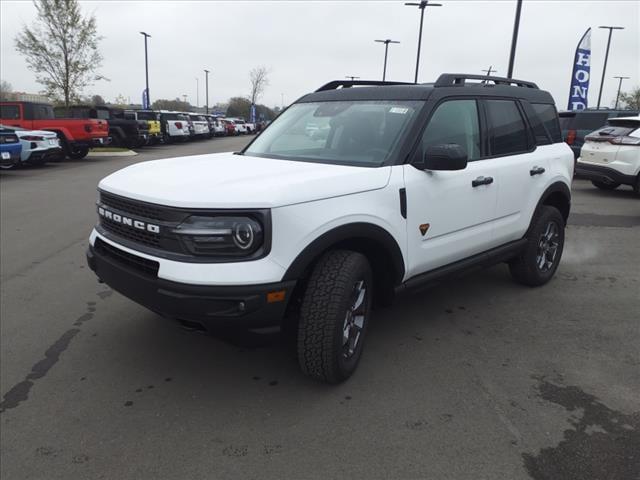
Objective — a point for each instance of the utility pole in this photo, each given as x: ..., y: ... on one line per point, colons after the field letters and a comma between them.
x: 386, y: 50
x: 184, y: 96
x: 351, y: 77
x: 514, y: 39
x: 606, y: 58
x: 206, y: 87
x: 146, y: 67
x: 421, y: 6
x: 619, y: 88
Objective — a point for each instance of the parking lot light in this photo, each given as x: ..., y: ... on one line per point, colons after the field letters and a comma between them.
x: 206, y: 88
x: 606, y: 58
x: 619, y: 87
x: 146, y: 67
x: 421, y: 6
x: 386, y: 50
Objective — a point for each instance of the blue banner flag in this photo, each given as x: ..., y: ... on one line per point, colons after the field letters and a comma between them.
x: 252, y: 114
x: 581, y: 73
x: 145, y: 99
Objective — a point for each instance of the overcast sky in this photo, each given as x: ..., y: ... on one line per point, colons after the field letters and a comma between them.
x: 306, y: 44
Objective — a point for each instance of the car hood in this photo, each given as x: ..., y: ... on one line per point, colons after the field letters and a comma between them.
x: 226, y: 180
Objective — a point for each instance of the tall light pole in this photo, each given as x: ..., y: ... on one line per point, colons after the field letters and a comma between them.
x: 206, y: 88
x: 386, y: 50
x: 351, y: 77
x: 619, y: 88
x: 146, y: 66
x: 421, y: 6
x: 606, y: 58
x: 197, y: 93
x: 514, y: 39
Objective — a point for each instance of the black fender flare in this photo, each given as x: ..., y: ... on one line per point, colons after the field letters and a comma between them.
x: 555, y: 189
x: 360, y: 235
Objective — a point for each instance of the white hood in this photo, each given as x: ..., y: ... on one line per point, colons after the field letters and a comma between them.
x: 225, y: 180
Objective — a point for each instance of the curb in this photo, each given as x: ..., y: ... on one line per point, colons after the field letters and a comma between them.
x: 128, y: 153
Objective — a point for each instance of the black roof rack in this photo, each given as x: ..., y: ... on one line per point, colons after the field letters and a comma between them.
x: 458, y: 79
x: 335, y: 84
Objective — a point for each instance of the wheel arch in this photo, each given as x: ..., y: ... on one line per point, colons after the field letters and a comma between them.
x: 376, y: 243
x: 557, y: 195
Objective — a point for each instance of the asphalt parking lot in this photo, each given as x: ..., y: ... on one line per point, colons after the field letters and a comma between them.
x: 477, y: 378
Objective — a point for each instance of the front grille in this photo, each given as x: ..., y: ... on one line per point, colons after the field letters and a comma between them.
x: 142, y: 265
x: 131, y: 207
x: 133, y: 234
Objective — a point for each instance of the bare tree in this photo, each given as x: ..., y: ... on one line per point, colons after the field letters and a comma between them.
x: 5, y: 90
x: 61, y: 47
x: 258, y: 77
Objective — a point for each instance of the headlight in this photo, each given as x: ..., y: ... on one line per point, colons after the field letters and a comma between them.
x: 221, y: 236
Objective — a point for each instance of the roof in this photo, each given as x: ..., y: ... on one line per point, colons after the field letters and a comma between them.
x: 448, y: 84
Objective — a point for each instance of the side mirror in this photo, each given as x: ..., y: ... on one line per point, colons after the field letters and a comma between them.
x: 446, y: 156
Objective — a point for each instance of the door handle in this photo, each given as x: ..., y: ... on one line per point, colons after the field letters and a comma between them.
x: 482, y: 181
x: 536, y: 171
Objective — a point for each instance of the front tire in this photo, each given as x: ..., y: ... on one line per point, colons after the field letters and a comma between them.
x: 539, y: 261
x: 602, y: 185
x: 334, y: 316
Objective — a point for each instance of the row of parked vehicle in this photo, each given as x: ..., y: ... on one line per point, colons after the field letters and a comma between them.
x: 34, y: 133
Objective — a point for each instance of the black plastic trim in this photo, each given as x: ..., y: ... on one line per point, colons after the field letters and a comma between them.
x: 351, y: 231
x: 481, y: 260
x: 209, y: 306
x: 596, y: 172
x: 403, y: 202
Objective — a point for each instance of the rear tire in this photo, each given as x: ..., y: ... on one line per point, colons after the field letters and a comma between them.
x: 334, y: 316
x: 77, y: 153
x: 539, y: 261
x: 603, y: 185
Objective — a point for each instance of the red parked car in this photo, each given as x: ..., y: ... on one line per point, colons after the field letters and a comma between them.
x: 76, y: 135
x: 230, y: 127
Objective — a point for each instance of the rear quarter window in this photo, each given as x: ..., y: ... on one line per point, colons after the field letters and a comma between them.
x: 549, y: 118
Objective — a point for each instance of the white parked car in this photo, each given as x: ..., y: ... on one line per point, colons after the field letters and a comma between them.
x: 200, y: 125
x: 219, y: 129
x: 174, y: 126
x: 241, y: 127
x: 38, y: 146
x: 610, y: 156
x: 412, y: 183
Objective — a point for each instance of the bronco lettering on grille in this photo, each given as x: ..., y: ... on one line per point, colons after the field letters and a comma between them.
x: 130, y: 222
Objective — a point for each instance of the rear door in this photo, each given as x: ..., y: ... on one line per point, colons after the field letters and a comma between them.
x: 522, y: 154
x: 448, y: 218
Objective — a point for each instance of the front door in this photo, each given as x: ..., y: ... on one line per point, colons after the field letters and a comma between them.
x: 450, y: 213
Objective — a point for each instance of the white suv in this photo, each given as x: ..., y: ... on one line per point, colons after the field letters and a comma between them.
x: 411, y: 183
x: 610, y: 156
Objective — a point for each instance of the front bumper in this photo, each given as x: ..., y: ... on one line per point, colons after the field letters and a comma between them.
x: 600, y: 173
x: 208, y: 307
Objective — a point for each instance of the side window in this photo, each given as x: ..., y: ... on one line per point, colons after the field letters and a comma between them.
x: 455, y: 121
x: 539, y: 131
x: 549, y: 118
x: 508, y: 133
x: 42, y: 112
x: 10, y: 112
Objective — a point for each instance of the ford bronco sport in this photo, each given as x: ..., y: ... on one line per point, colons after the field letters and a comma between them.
x: 411, y: 182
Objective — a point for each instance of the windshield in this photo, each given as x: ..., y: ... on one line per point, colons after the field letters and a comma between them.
x: 360, y: 133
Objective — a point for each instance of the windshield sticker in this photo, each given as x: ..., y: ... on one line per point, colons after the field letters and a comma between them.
x: 400, y: 110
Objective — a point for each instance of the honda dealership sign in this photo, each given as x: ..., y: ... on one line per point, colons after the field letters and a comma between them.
x: 580, y: 75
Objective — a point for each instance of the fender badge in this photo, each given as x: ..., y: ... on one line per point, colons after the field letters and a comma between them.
x: 423, y: 228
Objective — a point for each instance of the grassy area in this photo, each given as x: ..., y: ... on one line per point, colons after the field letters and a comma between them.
x: 109, y: 149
